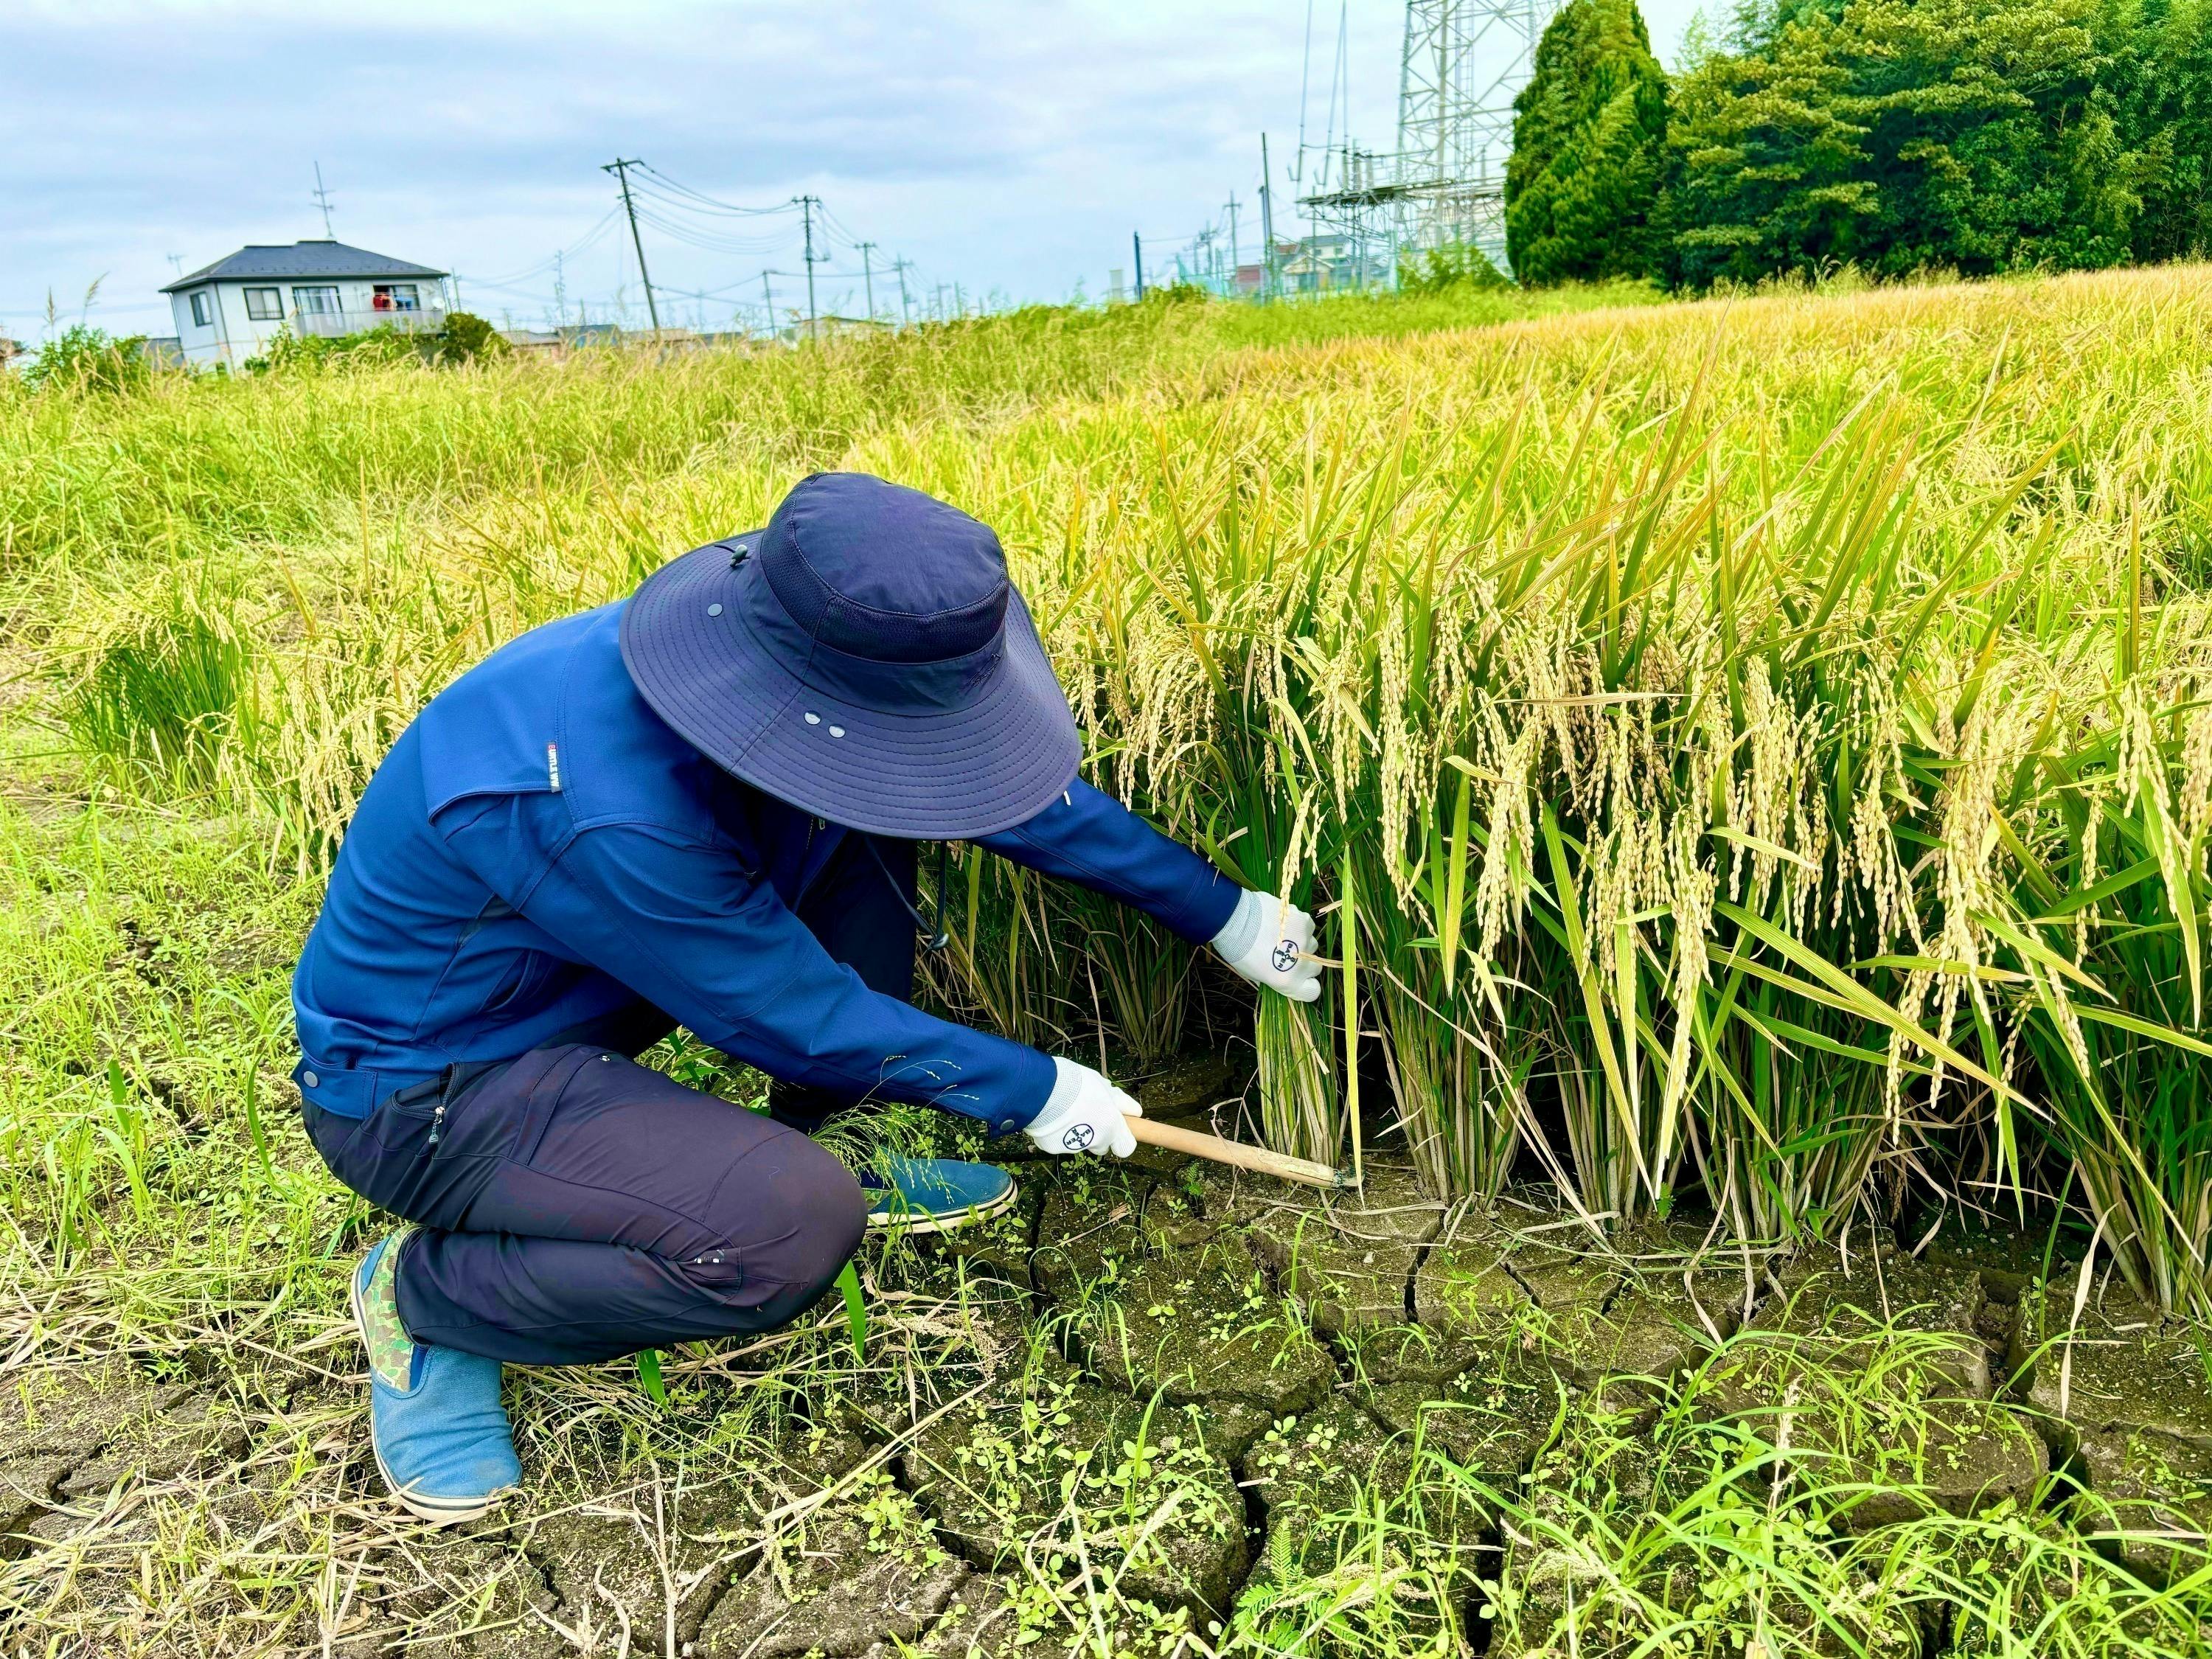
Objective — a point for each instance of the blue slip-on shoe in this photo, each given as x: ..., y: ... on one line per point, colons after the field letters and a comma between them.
x: 441, y: 1437
x: 932, y: 1194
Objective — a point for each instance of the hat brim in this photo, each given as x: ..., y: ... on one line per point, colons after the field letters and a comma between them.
x: 997, y: 760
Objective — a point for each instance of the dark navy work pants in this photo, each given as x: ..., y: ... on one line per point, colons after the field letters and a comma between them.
x: 575, y: 1205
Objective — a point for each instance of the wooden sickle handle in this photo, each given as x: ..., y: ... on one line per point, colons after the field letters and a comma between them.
x: 1256, y: 1159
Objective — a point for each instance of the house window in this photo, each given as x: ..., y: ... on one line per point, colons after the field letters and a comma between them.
x: 396, y: 296
x: 266, y: 305
x: 315, y: 302
x: 203, y: 313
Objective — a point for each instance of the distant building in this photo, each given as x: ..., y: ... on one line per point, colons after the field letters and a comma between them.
x: 569, y: 336
x: 1316, y: 264
x: 229, y: 311
x: 830, y: 326
x: 541, y: 340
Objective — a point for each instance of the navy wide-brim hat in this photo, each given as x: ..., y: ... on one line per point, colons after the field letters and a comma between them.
x: 865, y: 657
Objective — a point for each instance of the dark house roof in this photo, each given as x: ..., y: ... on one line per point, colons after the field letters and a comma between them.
x: 317, y: 257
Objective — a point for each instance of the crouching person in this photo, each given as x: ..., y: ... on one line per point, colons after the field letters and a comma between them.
x: 698, y: 805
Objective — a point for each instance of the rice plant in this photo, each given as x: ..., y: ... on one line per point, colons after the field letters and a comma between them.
x: 1754, y: 750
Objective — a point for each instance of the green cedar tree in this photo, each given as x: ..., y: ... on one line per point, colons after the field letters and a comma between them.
x: 1590, y: 134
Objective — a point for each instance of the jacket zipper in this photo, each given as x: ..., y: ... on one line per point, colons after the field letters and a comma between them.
x: 806, y: 857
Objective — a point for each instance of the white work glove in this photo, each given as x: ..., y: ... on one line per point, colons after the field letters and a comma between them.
x: 1270, y: 941
x: 1085, y: 1113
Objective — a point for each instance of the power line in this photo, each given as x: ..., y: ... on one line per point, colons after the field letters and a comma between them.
x: 806, y: 206
x: 696, y: 219
x: 1267, y: 223
x: 711, y: 241
x: 1305, y: 91
x: 620, y: 169
x: 509, y: 278
x: 845, y: 232
x: 676, y: 210
x: 708, y: 202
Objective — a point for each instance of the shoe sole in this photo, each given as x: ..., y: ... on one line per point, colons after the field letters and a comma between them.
x: 916, y: 1224
x: 438, y: 1511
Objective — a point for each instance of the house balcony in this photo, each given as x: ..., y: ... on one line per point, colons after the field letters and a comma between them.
x: 329, y: 325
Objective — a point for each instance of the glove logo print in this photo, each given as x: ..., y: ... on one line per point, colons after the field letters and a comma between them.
x: 1079, y: 1136
x: 1285, y: 955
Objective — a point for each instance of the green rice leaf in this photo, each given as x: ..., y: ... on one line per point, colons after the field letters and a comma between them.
x: 1850, y: 994
x: 856, y: 1309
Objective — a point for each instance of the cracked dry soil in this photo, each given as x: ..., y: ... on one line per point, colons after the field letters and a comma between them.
x: 1162, y: 1384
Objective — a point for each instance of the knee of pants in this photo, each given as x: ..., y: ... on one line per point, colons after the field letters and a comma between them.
x: 801, y: 1217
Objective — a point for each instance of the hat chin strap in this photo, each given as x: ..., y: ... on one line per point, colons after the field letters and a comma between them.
x: 935, y: 937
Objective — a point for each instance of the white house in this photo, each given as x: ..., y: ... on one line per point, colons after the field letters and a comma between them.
x: 229, y: 311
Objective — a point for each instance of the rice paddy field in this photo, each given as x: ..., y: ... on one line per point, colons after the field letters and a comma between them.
x: 1752, y: 763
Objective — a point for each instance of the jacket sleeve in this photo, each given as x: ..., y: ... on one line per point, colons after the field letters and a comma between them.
x: 1088, y: 836
x: 686, y: 924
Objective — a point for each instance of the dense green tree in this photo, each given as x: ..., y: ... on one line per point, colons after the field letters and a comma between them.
x: 1768, y: 175
x: 467, y: 338
x: 1991, y: 143
x: 2160, y: 77
x: 1589, y: 133
x: 1899, y: 135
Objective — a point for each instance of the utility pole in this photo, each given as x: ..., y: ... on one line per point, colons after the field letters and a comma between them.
x: 323, y: 201
x: 620, y: 169
x: 1235, y: 247
x: 768, y: 300
x: 1137, y: 243
x: 806, y: 206
x: 868, y: 276
x: 1266, y: 224
x: 902, y: 264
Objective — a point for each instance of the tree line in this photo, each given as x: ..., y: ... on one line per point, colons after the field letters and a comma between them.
x: 1897, y: 136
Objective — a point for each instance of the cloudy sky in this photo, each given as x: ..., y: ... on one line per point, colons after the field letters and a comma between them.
x: 1009, y: 148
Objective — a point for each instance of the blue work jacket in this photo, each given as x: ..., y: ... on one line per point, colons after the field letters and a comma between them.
x: 539, y: 852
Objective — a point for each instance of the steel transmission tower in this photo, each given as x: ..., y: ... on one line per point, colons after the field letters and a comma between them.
x: 1460, y: 65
